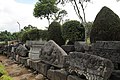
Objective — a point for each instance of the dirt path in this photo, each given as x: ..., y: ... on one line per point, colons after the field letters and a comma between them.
x: 16, y: 71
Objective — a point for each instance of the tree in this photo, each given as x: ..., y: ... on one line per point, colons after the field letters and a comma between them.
x: 79, y: 7
x: 24, y: 32
x: 45, y: 9
x: 106, y: 26
x: 5, y: 36
x: 54, y: 33
x: 73, y: 31
x: 32, y: 34
x: 43, y: 34
x: 58, y: 17
x: 29, y: 27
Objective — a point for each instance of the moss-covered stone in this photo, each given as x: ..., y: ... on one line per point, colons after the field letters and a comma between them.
x: 106, y: 26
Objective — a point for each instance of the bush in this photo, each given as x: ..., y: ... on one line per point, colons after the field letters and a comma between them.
x: 54, y: 33
x: 2, y: 70
x: 32, y: 34
x: 73, y: 31
x: 4, y: 74
x: 5, y: 77
x: 106, y: 26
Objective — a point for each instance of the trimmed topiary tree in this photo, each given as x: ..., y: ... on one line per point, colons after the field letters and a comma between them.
x: 106, y: 26
x: 73, y: 31
x: 54, y: 33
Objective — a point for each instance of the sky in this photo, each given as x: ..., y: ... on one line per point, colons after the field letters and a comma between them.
x: 13, y: 11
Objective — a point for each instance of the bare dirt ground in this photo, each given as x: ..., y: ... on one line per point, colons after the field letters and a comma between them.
x: 16, y: 71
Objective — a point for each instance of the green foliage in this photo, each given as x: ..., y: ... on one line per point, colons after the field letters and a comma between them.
x: 106, y: 26
x: 58, y: 17
x: 54, y: 33
x: 45, y: 8
x: 30, y: 35
x: 43, y: 34
x: 2, y: 70
x: 73, y: 31
x: 5, y: 77
x: 5, y: 35
x: 29, y: 27
x: 3, y: 73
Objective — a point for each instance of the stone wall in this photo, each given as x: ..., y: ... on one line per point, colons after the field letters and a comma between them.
x: 107, y: 49
x: 54, y: 63
x: 91, y: 66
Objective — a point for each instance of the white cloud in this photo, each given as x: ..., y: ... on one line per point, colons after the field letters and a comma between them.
x: 12, y: 11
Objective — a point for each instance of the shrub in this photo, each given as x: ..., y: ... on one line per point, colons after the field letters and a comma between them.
x: 3, y: 73
x: 5, y: 77
x: 73, y: 31
x: 2, y: 70
x: 106, y: 26
x: 54, y: 33
x: 32, y: 34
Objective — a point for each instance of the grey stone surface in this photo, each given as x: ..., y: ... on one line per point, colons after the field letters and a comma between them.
x: 73, y: 77
x: 115, y: 75
x: 22, y: 51
x: 23, y: 60
x: 34, y: 56
x: 107, y: 45
x: 50, y: 74
x: 107, y: 49
x: 57, y: 74
x: 68, y: 48
x: 60, y: 75
x: 52, y: 54
x: 34, y: 64
x: 35, y: 51
x: 30, y: 43
x: 91, y: 66
x: 79, y: 46
x: 43, y: 68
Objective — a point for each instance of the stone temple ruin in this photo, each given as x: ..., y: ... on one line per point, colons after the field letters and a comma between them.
x: 100, y: 61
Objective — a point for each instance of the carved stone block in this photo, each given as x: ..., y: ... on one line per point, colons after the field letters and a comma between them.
x: 68, y: 48
x: 91, y: 66
x: 52, y: 54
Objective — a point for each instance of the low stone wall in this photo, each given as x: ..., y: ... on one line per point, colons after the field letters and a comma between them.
x: 91, y: 66
x: 54, y: 63
x: 107, y: 49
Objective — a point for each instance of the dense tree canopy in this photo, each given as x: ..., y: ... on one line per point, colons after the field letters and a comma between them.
x: 54, y: 33
x: 73, y: 31
x: 5, y: 36
x: 45, y: 9
x: 106, y: 26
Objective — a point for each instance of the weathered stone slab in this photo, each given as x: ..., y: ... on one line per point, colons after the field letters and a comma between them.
x: 52, y: 54
x: 79, y: 46
x: 50, y: 74
x: 30, y: 43
x: 22, y: 51
x: 107, y: 49
x: 91, y: 66
x: 60, y: 75
x: 34, y: 64
x: 73, y: 77
x: 107, y: 45
x: 23, y: 60
x: 43, y: 68
x: 35, y: 51
x: 34, y: 56
x: 115, y: 75
x: 57, y: 74
x: 68, y: 48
